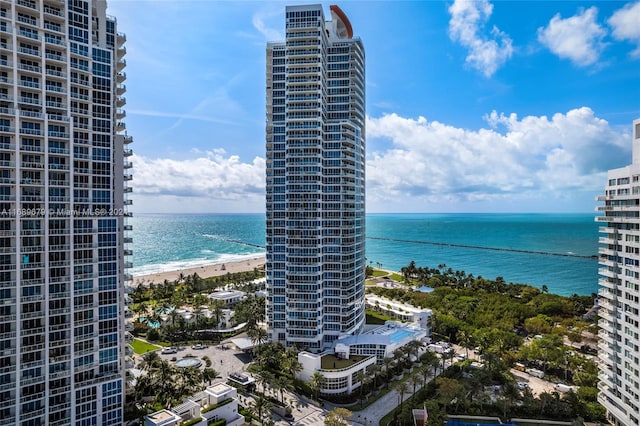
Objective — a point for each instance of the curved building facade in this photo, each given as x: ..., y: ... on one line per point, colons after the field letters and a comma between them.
x: 619, y: 293
x: 315, y: 179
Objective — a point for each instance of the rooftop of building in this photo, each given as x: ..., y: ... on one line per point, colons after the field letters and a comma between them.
x: 332, y: 362
x: 226, y: 294
x: 391, y: 333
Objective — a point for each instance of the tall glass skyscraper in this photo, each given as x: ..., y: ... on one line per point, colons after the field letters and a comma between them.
x: 315, y: 202
x: 619, y: 294
x: 63, y: 210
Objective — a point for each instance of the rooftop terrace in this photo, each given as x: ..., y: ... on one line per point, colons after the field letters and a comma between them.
x: 331, y: 362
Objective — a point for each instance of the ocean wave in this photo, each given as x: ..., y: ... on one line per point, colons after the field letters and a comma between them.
x: 191, y: 263
x: 213, y: 237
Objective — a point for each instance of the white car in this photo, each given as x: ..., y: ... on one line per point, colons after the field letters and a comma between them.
x: 167, y: 351
x: 522, y: 385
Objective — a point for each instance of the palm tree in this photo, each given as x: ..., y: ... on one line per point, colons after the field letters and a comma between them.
x: 149, y: 360
x: 375, y: 372
x: 425, y: 370
x: 402, y: 388
x: 259, y: 405
x: 290, y: 362
x: 435, y: 363
x: 466, y: 340
x: 208, y: 374
x: 359, y: 377
x: 415, y: 380
x: 281, y: 384
x: 258, y: 335
x: 191, y: 378
x: 388, y: 362
x: 265, y: 379
x: 413, y: 348
x: 317, y: 381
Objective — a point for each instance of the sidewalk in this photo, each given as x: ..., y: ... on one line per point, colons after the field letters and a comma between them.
x: 372, y: 415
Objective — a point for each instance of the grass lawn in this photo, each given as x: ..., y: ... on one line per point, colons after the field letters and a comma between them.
x: 392, y: 275
x: 374, y: 317
x: 140, y: 347
x: 330, y: 362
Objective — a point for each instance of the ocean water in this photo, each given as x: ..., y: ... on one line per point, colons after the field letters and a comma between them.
x: 170, y: 242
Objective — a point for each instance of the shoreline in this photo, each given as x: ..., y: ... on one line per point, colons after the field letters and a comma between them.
x: 213, y: 269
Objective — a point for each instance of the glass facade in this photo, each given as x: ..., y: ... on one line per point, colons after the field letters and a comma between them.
x: 619, y: 293
x: 315, y: 202
x: 62, y: 213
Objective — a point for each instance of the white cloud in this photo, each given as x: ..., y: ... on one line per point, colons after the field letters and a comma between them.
x: 466, y: 25
x: 259, y: 18
x: 432, y: 163
x: 216, y: 177
x: 179, y: 116
x: 545, y: 163
x: 626, y: 25
x: 578, y: 38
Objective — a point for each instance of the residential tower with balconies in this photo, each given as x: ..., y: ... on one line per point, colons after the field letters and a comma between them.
x: 63, y: 212
x: 315, y: 180
x: 619, y: 293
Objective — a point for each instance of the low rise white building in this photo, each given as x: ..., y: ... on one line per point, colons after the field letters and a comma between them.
x: 355, y: 354
x: 229, y: 297
x: 399, y: 310
x: 341, y: 374
x: 382, y: 341
x: 218, y: 401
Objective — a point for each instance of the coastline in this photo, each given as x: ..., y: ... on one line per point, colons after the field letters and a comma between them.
x: 213, y: 269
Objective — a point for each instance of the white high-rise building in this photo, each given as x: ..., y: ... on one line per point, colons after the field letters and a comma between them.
x: 619, y: 294
x: 315, y: 202
x: 63, y: 214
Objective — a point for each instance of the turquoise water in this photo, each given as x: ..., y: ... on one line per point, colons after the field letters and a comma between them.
x: 170, y: 242
x: 399, y: 335
x: 152, y: 324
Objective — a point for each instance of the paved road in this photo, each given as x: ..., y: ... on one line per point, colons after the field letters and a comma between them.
x: 226, y: 361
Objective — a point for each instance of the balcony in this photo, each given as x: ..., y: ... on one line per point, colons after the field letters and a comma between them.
x: 27, y: 51
x: 53, y: 27
x: 27, y: 4
x: 28, y: 34
x: 51, y: 11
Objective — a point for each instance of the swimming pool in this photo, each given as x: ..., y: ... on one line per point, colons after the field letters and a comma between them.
x: 399, y: 335
x: 152, y: 324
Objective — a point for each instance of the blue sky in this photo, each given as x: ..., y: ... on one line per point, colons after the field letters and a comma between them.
x: 517, y: 106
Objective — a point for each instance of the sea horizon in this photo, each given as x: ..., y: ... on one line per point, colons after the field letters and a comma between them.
x: 509, y: 245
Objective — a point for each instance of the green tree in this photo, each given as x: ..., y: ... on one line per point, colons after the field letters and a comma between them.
x: 259, y: 406
x: 448, y: 389
x: 316, y: 382
x: 209, y: 374
x: 338, y: 417
x: 402, y: 388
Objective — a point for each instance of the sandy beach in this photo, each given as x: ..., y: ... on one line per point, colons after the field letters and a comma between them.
x: 206, y: 271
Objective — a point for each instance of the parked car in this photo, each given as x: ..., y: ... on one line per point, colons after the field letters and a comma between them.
x: 167, y: 351
x: 198, y: 346
x: 523, y: 385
